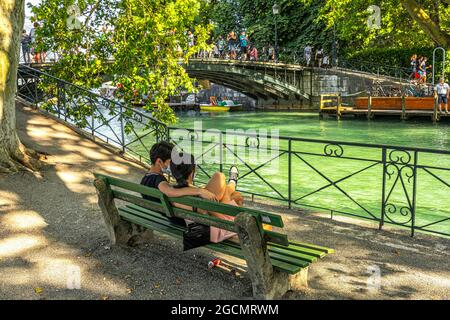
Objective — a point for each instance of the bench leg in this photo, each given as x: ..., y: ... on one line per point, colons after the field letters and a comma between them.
x: 299, y: 281
x: 267, y: 283
x: 120, y: 232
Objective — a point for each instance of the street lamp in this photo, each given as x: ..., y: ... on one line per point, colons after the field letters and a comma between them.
x: 276, y: 11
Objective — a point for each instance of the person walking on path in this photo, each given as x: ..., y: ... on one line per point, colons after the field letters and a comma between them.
x: 442, y: 92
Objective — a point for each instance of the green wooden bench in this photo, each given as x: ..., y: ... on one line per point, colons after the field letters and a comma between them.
x: 274, y: 263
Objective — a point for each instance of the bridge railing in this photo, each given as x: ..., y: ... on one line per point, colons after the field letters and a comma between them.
x: 395, y: 185
x: 124, y: 127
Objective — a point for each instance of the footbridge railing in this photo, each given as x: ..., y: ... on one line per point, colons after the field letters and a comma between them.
x: 393, y: 185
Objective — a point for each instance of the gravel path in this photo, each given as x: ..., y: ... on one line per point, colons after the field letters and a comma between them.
x: 51, y: 231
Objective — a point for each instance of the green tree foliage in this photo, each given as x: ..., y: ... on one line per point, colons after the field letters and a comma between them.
x: 145, y: 39
x: 406, y: 25
x: 298, y: 22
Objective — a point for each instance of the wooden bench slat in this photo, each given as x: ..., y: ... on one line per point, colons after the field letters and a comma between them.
x: 313, y: 246
x: 273, y: 237
x: 264, y: 217
x: 150, y: 224
x: 131, y: 186
x: 153, y: 223
x: 138, y: 201
x: 300, y: 249
x: 281, y: 256
x: 293, y: 254
x: 292, y: 250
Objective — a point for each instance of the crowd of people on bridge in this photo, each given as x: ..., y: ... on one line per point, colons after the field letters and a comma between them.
x: 419, y: 69
x: 234, y: 46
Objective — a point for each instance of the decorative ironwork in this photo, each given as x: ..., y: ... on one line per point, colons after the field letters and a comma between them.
x: 252, y: 142
x: 333, y: 150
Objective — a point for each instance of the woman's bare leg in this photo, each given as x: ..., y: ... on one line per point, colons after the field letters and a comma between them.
x: 217, y: 185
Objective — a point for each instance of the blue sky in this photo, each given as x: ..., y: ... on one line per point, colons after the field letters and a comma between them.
x: 28, y: 24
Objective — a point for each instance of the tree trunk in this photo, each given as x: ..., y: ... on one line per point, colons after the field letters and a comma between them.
x: 431, y: 28
x: 13, y: 155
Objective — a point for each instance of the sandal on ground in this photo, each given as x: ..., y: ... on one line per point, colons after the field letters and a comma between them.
x: 233, y: 175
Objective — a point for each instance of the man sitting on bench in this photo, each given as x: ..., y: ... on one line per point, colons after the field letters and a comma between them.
x: 160, y: 155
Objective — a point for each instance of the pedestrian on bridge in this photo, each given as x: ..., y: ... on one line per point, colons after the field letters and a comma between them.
x: 253, y: 53
x: 243, y: 43
x: 25, y: 41
x: 232, y: 41
x: 319, y: 57
x: 221, y: 46
x: 308, y: 53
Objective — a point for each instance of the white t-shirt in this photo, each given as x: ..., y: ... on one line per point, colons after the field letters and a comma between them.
x: 308, y: 50
x: 442, y: 88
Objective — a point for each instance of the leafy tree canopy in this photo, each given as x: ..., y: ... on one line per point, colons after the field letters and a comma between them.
x: 145, y: 39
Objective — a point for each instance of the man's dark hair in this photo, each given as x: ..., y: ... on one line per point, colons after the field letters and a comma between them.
x: 161, y: 150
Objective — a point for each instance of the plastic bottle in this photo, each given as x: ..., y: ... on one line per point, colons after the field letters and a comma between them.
x: 213, y: 263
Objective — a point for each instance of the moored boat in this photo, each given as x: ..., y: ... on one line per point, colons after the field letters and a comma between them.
x: 211, y: 108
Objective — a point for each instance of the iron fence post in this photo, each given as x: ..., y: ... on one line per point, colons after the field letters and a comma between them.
x: 92, y: 121
x: 58, y: 99
x: 122, y: 129
x: 64, y: 102
x: 383, y: 190
x: 413, y: 209
x: 36, y: 80
x: 221, y: 151
x: 290, y: 173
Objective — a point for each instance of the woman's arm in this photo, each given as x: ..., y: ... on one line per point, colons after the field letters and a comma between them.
x: 172, y: 192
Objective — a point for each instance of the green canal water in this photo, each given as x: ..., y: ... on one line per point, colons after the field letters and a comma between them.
x: 313, y: 173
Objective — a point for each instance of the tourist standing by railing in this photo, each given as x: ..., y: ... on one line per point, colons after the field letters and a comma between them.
x: 413, y: 66
x: 243, y: 43
x: 25, y: 41
x: 442, y: 91
x: 232, y: 39
x: 319, y: 57
x: 271, y: 53
x: 253, y: 53
x: 221, y: 46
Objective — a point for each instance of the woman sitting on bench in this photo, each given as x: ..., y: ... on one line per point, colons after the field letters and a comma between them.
x: 184, y: 172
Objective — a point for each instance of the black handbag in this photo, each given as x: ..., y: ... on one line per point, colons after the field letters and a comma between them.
x: 196, y: 235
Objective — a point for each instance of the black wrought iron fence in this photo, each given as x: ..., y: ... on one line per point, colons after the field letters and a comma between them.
x: 401, y: 186
x: 127, y: 128
x: 396, y: 185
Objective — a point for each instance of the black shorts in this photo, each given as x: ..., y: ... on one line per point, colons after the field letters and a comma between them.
x: 244, y: 50
x: 442, y: 98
